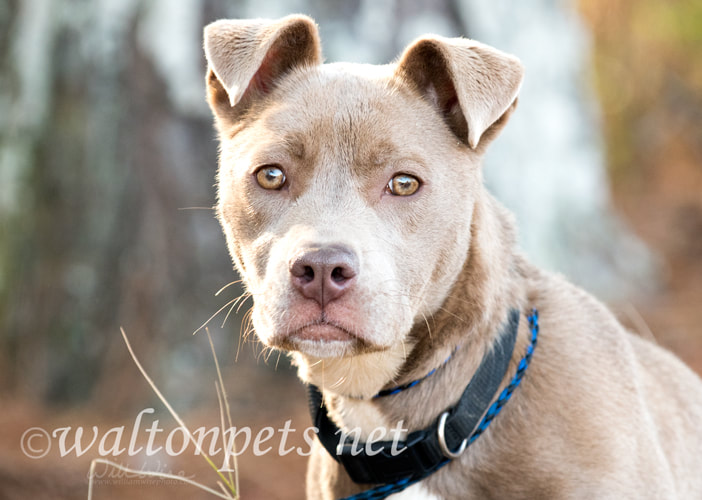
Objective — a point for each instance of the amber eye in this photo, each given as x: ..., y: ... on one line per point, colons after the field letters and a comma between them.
x: 270, y: 177
x: 403, y: 185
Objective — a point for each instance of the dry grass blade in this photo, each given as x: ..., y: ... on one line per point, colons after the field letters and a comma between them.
x: 162, y: 475
x: 224, y: 403
x: 175, y: 415
x: 225, y: 465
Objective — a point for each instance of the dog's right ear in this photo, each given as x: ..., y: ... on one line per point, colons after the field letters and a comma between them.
x: 245, y: 59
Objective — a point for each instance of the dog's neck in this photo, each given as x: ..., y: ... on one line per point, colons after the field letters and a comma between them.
x: 467, y: 322
x: 478, y: 302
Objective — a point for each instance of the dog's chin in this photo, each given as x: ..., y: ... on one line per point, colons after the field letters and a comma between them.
x: 323, y: 340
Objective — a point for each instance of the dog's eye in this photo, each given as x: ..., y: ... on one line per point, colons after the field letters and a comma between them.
x: 270, y: 177
x: 403, y: 185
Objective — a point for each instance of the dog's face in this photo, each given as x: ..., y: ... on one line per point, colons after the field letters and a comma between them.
x: 346, y: 191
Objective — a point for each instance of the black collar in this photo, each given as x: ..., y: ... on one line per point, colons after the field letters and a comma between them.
x: 425, y: 450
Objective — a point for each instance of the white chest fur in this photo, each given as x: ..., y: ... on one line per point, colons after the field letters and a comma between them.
x: 415, y: 492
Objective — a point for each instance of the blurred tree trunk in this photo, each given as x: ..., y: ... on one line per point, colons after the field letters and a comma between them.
x: 105, y: 137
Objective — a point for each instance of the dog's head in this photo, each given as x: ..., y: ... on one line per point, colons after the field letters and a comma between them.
x: 346, y: 191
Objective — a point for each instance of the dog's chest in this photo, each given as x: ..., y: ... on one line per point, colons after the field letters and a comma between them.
x: 415, y: 492
x: 361, y: 415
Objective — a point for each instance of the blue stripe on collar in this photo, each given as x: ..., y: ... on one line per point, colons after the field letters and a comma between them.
x: 400, y: 388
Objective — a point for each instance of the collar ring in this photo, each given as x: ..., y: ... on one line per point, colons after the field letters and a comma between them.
x: 442, y: 439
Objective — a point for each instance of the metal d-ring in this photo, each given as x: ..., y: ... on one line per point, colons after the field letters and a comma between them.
x: 442, y: 439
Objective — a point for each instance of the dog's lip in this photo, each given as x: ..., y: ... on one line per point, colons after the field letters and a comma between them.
x: 323, y: 331
x: 324, y: 339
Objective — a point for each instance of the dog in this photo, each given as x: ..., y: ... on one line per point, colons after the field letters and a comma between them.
x: 353, y: 206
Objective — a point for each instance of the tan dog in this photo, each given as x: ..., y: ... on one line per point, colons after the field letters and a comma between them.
x: 352, y: 201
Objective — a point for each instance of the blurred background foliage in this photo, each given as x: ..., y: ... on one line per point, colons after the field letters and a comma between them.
x: 108, y: 160
x: 647, y: 72
x: 649, y: 82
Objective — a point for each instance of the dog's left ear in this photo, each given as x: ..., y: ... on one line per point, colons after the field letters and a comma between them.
x: 473, y: 86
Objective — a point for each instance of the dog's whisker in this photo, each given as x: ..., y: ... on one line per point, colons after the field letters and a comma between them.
x: 426, y: 321
x: 244, y: 297
x: 262, y: 353
x: 340, y: 381
x: 227, y: 286
x: 244, y: 331
x: 214, y: 315
x: 242, y: 303
x: 268, y: 352
x: 462, y: 320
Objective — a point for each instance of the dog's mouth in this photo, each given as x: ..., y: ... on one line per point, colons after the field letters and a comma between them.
x: 322, y: 331
x: 324, y: 339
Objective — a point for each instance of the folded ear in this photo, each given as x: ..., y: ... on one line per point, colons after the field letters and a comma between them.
x: 246, y: 57
x: 472, y: 85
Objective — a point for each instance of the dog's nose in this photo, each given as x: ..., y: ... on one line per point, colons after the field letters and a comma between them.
x: 324, y: 273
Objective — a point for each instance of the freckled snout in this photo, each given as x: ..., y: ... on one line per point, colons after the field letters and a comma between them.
x: 324, y: 273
